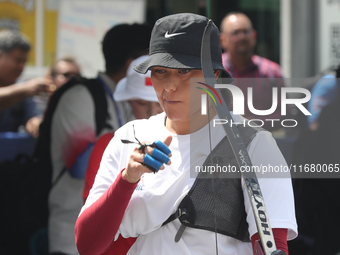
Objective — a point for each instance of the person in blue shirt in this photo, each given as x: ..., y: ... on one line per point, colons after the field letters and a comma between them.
x: 322, y: 94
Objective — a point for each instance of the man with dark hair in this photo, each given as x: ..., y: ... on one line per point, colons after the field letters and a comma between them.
x: 73, y: 130
x: 118, y: 52
x: 238, y: 40
x: 16, y: 108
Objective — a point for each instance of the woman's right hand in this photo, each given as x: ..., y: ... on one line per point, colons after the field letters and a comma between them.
x: 136, y: 165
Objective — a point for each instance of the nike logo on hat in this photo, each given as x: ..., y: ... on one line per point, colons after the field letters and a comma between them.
x: 172, y: 35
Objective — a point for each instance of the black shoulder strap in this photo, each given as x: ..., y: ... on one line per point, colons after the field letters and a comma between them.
x: 42, y: 151
x: 195, y: 210
x: 100, y: 101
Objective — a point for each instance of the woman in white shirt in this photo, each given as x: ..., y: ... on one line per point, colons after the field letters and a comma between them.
x: 128, y: 199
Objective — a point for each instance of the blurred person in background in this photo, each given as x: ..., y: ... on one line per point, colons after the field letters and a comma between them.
x: 323, y: 193
x: 61, y: 71
x: 16, y: 106
x: 74, y: 129
x: 317, y: 201
x: 137, y: 89
x: 323, y: 93
x: 238, y: 40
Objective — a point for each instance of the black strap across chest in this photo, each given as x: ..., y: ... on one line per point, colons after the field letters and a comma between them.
x: 217, y: 198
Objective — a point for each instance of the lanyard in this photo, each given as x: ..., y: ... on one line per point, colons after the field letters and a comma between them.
x: 108, y: 91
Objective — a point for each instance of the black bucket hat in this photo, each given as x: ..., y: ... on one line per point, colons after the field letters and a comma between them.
x: 176, y: 43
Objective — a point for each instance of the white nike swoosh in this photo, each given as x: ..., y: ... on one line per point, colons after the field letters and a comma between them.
x: 171, y: 35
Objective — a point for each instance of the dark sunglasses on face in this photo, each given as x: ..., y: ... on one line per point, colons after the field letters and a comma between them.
x: 69, y: 75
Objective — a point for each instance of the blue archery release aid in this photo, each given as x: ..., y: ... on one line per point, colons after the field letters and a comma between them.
x: 152, y: 163
x: 160, y: 156
x: 161, y: 146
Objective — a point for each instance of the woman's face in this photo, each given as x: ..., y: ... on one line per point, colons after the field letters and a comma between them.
x: 172, y: 87
x: 174, y: 92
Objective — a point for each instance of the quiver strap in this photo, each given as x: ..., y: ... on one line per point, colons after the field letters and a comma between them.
x: 221, y: 199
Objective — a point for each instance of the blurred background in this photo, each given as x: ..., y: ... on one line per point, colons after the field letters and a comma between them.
x: 302, y: 36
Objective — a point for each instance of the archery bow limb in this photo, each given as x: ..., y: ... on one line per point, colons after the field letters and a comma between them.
x: 241, y: 154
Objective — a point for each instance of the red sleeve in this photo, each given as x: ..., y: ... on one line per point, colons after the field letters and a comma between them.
x: 280, y: 237
x: 97, y: 226
x: 94, y: 162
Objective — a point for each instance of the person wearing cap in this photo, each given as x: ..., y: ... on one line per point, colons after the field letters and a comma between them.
x: 137, y: 89
x: 127, y: 199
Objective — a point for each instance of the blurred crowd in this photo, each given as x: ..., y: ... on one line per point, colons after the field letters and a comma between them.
x: 76, y: 117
